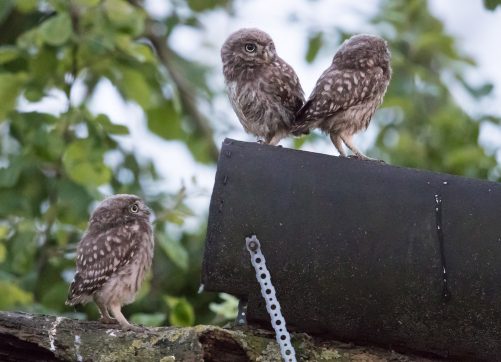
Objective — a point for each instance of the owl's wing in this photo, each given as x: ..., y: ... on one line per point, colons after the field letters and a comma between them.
x: 100, y: 255
x: 284, y: 86
x: 337, y: 90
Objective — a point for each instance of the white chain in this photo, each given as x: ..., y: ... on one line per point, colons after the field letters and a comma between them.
x: 272, y: 304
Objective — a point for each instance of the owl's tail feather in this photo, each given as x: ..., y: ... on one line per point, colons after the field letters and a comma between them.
x: 72, y: 298
x: 76, y: 295
x: 300, y: 129
x: 301, y: 126
x: 78, y: 299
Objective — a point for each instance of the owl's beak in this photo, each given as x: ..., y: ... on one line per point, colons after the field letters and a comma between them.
x: 268, y: 55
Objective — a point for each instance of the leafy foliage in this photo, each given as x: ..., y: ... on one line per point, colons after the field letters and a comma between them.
x: 54, y: 166
x: 492, y: 4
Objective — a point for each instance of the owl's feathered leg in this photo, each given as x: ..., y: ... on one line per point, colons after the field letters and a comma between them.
x: 116, y: 310
x: 348, y: 141
x: 105, y: 316
x: 273, y: 141
x: 336, y: 140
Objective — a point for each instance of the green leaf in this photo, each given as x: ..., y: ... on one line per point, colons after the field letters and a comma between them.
x: 148, y: 319
x: 314, y: 44
x: 30, y: 39
x: 125, y: 16
x: 204, y: 5
x: 135, y: 87
x: 4, y: 231
x: 57, y: 30
x: 181, y: 313
x: 476, y: 91
x: 8, y: 53
x: 492, y: 4
x: 228, y: 308
x: 13, y: 296
x: 138, y: 51
x: 87, y: 2
x: 10, y: 175
x: 10, y: 85
x: 165, y: 121
x: 26, y: 6
x: 175, y: 251
x: 112, y: 128
x: 3, y: 253
x: 84, y: 165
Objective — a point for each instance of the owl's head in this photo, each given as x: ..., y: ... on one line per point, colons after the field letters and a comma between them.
x: 120, y: 209
x: 362, y: 51
x: 247, y: 48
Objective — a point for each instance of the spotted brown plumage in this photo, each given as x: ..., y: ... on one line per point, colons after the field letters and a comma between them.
x: 348, y: 93
x: 113, y: 257
x: 264, y: 90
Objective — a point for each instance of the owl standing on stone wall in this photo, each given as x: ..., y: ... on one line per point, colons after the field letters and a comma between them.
x: 264, y: 90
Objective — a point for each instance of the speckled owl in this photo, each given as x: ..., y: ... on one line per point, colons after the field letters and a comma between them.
x: 264, y: 90
x: 348, y: 93
x: 113, y: 257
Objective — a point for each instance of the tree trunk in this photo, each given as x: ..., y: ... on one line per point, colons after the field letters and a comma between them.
x: 27, y: 337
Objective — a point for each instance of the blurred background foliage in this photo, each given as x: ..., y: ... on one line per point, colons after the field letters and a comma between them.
x: 53, y: 167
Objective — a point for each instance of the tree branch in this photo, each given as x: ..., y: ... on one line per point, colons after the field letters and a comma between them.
x: 26, y: 337
x: 187, y: 94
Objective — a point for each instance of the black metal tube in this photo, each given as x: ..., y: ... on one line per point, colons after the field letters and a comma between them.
x: 359, y: 250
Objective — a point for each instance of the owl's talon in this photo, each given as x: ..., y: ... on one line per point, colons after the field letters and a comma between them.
x: 108, y: 320
x: 133, y: 328
x: 260, y: 142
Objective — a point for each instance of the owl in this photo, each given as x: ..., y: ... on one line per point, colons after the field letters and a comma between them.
x: 348, y: 93
x: 264, y: 90
x: 113, y: 257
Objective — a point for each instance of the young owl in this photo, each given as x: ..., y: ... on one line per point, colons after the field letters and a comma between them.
x: 113, y: 257
x: 264, y: 90
x: 348, y: 92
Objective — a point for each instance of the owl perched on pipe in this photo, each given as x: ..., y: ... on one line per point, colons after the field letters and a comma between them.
x: 264, y: 90
x: 113, y: 257
x: 348, y: 93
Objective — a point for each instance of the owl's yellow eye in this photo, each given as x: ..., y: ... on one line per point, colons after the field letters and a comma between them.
x: 134, y: 208
x: 250, y: 48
